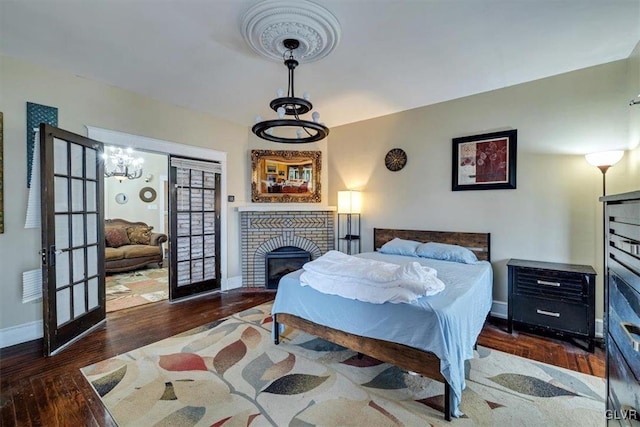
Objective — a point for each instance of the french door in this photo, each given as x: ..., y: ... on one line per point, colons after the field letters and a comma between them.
x: 194, y: 223
x: 73, y: 286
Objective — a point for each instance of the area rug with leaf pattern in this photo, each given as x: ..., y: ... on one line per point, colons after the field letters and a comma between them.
x: 229, y: 373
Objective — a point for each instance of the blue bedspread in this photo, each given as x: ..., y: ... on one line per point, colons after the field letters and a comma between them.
x: 446, y: 324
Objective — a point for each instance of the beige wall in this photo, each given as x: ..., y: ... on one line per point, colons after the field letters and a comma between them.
x: 631, y: 160
x: 83, y: 102
x: 553, y: 215
x: 151, y: 213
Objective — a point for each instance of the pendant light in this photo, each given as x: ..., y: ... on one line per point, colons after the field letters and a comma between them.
x: 289, y: 109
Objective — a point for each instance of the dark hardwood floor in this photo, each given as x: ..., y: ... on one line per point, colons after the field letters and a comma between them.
x: 548, y: 348
x: 36, y: 391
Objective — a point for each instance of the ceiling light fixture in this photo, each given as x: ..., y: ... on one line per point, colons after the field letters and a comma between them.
x: 120, y: 164
x: 290, y: 105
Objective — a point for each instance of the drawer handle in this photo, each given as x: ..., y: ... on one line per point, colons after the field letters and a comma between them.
x: 548, y: 313
x: 634, y: 248
x: 544, y: 282
x: 630, y: 328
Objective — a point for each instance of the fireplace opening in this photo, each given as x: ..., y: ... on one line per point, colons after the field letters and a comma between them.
x: 282, y: 261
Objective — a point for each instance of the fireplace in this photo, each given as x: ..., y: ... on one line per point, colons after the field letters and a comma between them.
x: 268, y: 226
x: 282, y: 261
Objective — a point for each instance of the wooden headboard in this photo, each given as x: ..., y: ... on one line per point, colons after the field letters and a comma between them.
x: 479, y: 243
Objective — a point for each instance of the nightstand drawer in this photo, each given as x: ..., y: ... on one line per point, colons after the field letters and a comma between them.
x: 556, y: 284
x: 552, y: 314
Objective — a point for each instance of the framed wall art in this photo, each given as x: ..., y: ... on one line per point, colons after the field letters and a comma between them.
x: 485, y: 162
x: 37, y: 114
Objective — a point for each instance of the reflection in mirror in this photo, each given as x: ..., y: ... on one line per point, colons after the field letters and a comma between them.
x: 285, y: 176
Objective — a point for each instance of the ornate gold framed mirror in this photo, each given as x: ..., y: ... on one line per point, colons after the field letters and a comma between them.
x: 282, y: 176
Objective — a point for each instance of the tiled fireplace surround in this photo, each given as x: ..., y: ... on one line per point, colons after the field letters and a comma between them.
x: 265, y: 228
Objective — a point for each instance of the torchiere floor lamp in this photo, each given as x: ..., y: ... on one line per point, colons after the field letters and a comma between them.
x: 603, y: 161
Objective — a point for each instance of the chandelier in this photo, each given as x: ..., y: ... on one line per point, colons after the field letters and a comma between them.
x: 290, y: 105
x: 120, y: 164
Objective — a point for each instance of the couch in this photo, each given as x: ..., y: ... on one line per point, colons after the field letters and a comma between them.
x: 286, y: 186
x: 131, y: 245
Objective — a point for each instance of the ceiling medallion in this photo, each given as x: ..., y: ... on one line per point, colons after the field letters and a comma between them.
x: 268, y: 24
x: 395, y: 159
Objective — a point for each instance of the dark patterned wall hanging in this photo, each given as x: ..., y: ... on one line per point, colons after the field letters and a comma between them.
x: 37, y: 114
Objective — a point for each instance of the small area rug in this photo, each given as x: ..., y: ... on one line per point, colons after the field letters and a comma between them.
x: 134, y: 288
x: 229, y: 373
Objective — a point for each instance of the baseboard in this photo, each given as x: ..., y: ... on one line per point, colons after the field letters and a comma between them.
x: 599, y: 328
x: 21, y: 333
x: 234, y: 282
x: 499, y: 309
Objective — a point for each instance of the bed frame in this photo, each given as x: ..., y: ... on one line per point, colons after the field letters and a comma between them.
x: 424, y: 363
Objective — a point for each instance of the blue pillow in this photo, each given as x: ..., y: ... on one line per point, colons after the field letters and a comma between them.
x: 446, y: 252
x: 400, y: 247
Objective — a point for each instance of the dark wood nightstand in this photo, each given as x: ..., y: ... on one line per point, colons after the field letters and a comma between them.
x: 552, y: 296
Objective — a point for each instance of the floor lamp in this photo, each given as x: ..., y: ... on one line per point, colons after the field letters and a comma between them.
x: 603, y: 161
x: 349, y: 204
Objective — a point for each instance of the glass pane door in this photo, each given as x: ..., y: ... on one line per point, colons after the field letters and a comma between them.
x: 73, y: 253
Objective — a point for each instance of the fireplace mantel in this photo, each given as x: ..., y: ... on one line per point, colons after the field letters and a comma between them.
x: 286, y: 207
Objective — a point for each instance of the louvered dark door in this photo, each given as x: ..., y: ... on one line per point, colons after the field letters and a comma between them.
x: 195, y: 227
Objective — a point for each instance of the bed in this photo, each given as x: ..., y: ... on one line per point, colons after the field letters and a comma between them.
x: 433, y: 336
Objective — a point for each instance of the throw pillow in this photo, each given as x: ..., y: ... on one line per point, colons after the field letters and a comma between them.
x: 400, y: 247
x: 446, y: 252
x: 139, y: 235
x: 116, y: 237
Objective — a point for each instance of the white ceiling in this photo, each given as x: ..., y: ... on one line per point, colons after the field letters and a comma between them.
x: 394, y: 55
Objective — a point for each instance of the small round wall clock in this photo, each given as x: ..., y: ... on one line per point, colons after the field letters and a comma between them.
x: 395, y: 159
x: 122, y: 198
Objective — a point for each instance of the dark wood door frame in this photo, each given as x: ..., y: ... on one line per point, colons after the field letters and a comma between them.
x: 58, y: 336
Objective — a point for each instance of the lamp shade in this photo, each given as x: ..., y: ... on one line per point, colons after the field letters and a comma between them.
x: 604, y: 158
x: 349, y: 202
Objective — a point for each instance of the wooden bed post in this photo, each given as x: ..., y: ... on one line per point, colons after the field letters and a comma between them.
x: 447, y: 401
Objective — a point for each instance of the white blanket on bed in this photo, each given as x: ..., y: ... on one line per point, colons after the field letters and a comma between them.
x: 368, y: 280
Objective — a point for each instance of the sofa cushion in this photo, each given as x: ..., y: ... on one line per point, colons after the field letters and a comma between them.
x: 111, y: 254
x: 139, y: 251
x: 139, y: 234
x: 116, y: 237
